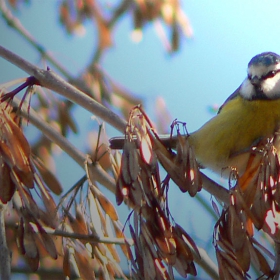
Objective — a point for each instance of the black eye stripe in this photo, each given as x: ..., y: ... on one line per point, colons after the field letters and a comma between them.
x: 270, y: 74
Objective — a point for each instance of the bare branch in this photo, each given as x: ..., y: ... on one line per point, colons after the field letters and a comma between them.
x: 91, y: 238
x: 215, y: 189
x: 206, y: 263
x: 17, y: 26
x: 51, y: 273
x: 52, y: 81
x: 119, y: 11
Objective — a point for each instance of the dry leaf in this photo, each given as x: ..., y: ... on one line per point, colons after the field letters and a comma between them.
x: 49, y: 178
x: 106, y: 204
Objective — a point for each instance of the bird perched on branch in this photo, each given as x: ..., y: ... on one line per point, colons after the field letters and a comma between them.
x: 250, y: 115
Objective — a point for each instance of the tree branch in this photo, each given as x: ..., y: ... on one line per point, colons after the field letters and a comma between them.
x: 16, y: 25
x: 215, y: 189
x: 91, y: 238
x: 206, y: 263
x: 52, y: 81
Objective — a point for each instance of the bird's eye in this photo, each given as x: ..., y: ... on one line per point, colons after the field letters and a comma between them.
x: 249, y: 77
x: 270, y: 74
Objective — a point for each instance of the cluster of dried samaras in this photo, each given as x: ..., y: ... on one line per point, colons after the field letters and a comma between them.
x: 34, y: 227
x: 19, y: 171
x: 159, y: 243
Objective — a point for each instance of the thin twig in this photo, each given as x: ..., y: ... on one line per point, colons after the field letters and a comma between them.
x: 206, y: 263
x: 119, y: 11
x: 52, y: 81
x: 91, y: 238
x: 215, y: 189
x: 204, y: 202
x: 53, y: 273
x: 14, y: 23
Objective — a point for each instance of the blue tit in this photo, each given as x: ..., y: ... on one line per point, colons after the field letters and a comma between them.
x: 249, y: 115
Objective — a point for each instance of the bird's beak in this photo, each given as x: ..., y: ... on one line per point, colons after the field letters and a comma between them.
x: 255, y: 81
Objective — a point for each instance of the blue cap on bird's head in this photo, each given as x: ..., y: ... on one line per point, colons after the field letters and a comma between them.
x: 265, y: 58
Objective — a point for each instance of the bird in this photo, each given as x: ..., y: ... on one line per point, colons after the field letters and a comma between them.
x: 249, y: 115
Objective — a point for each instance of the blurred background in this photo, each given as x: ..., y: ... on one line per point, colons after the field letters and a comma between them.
x: 190, y: 84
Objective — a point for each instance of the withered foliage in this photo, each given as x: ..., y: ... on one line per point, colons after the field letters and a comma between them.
x: 172, y: 26
x: 100, y: 86
x: 74, y: 13
x: 235, y: 245
x: 159, y: 243
x: 80, y: 248
x: 94, y: 220
x: 19, y: 181
x: 85, y: 223
x: 254, y: 203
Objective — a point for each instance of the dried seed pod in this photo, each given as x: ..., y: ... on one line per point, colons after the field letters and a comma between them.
x: 119, y: 190
x: 47, y: 242
x: 83, y: 263
x: 105, y: 203
x: 7, y: 186
x: 146, y: 149
x: 236, y: 230
x: 262, y: 262
x: 66, y: 262
x: 49, y: 178
x: 29, y: 244
x: 243, y: 256
x: 128, y: 157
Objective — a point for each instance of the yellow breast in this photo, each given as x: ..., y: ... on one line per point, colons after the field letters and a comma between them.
x: 236, y: 128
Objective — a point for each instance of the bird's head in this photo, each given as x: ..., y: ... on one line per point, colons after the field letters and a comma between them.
x: 263, y: 80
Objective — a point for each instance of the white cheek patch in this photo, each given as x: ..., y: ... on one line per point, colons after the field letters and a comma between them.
x: 271, y: 87
x: 247, y: 90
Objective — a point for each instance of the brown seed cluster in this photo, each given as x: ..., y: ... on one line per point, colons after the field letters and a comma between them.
x: 254, y: 203
x: 18, y: 178
x: 159, y: 243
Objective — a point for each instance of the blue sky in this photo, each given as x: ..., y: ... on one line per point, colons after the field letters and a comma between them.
x: 207, y: 69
